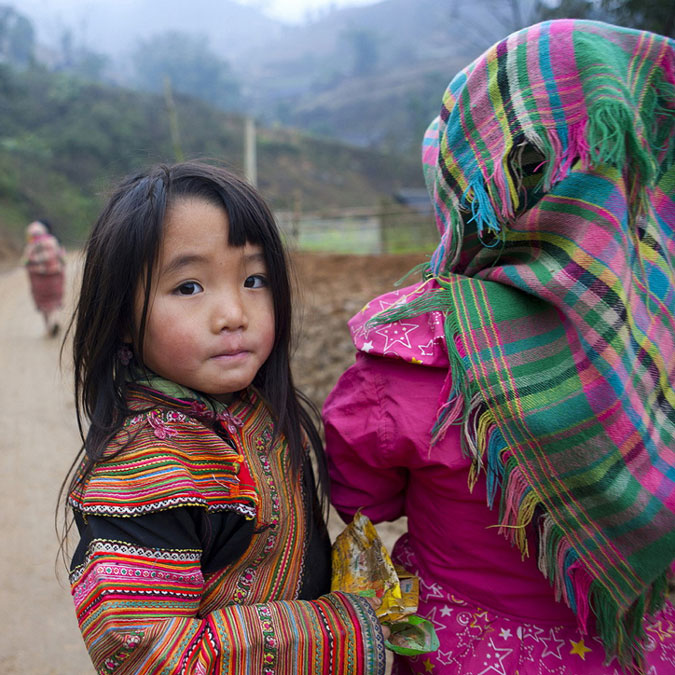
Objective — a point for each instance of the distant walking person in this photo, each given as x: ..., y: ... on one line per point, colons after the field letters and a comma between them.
x: 44, y: 258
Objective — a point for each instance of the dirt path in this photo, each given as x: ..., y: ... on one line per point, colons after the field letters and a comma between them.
x: 39, y: 633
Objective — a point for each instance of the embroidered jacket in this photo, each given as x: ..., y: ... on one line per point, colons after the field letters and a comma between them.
x: 199, y: 555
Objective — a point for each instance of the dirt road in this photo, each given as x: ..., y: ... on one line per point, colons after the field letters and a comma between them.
x: 39, y: 633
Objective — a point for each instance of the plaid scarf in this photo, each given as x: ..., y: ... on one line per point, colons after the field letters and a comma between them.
x: 552, y: 175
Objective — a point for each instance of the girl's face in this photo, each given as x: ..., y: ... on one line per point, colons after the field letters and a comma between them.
x: 210, y: 324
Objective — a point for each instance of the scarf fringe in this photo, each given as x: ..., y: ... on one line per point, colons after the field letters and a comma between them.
x: 609, y: 135
x: 622, y: 634
x: 447, y: 252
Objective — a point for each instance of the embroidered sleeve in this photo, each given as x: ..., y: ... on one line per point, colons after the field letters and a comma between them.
x: 138, y: 607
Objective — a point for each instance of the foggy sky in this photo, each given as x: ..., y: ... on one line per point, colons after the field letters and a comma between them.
x: 289, y: 11
x: 294, y: 11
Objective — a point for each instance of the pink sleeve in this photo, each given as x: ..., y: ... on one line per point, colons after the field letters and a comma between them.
x: 366, y: 471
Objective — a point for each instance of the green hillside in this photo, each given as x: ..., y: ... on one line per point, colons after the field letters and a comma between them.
x: 63, y: 142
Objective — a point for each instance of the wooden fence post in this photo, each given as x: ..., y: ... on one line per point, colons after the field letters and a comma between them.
x: 383, y: 224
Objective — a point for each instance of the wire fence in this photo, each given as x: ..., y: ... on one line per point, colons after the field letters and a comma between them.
x: 374, y: 231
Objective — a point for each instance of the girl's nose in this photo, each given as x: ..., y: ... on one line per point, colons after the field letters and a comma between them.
x: 229, y: 312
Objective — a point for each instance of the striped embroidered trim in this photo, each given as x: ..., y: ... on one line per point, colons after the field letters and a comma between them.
x: 99, y: 547
x: 164, y: 459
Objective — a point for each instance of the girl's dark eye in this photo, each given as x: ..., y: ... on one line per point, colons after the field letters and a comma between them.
x: 189, y: 288
x: 256, y: 281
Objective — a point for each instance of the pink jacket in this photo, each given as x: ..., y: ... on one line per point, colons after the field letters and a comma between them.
x: 378, y: 420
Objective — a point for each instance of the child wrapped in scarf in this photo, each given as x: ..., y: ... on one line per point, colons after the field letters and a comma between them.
x: 517, y: 404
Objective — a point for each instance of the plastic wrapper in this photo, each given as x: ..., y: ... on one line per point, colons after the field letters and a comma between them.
x: 411, y: 636
x: 361, y: 565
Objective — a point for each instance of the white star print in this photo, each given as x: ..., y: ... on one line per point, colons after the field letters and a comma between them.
x: 397, y: 333
x: 431, y: 590
x: 361, y: 332
x: 431, y: 616
x: 384, y: 304
x: 550, y: 648
x: 497, y: 667
x: 428, y: 348
x: 444, y: 657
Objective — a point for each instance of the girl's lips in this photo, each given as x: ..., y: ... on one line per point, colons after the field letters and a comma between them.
x: 230, y: 355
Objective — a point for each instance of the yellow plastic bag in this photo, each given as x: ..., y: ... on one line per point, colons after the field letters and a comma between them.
x: 361, y: 565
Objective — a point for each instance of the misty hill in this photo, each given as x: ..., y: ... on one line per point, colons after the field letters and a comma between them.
x: 370, y: 75
x: 63, y: 141
x: 374, y: 74
x: 114, y: 27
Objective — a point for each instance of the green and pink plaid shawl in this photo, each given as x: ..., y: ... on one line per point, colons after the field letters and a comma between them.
x: 551, y: 170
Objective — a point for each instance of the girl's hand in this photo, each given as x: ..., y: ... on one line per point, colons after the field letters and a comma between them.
x: 375, y: 603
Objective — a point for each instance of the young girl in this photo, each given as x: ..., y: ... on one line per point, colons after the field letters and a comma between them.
x: 203, y: 548
x: 532, y: 369
x: 45, y: 261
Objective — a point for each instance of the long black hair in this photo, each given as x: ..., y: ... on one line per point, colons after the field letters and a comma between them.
x: 119, y: 258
